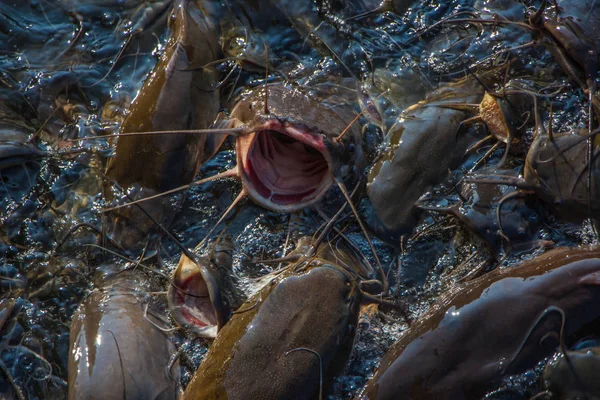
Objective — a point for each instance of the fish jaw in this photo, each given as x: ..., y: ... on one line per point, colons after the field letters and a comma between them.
x: 284, y: 167
x: 192, y: 301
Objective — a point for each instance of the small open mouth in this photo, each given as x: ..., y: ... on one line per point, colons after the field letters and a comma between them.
x: 287, y: 168
x: 190, y: 302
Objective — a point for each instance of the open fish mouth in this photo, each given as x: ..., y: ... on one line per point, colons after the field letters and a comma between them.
x: 190, y: 302
x: 284, y: 167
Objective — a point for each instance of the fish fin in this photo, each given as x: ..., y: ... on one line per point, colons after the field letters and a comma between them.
x: 214, y: 142
x: 591, y: 279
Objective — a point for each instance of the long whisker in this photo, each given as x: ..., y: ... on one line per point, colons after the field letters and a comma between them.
x: 320, y: 366
x: 236, y: 132
x: 330, y: 223
x: 333, y: 53
x: 239, y: 198
x: 485, y: 156
x: 227, y: 174
x: 502, y: 180
x: 267, y: 112
x: 364, y: 230
x: 10, y: 378
x: 37, y: 133
x: 339, y: 232
x: 485, y: 21
x: 532, y: 328
x: 86, y: 225
x: 504, y: 199
x: 137, y: 263
x: 114, y: 63
x: 372, y: 102
x: 435, y: 224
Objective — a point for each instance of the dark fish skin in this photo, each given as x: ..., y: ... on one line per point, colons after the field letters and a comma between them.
x: 174, y: 97
x: 576, y: 378
x: 558, y: 169
x: 491, y: 327
x: 479, y: 213
x: 255, y: 356
x: 115, y: 351
x: 15, y: 149
x: 17, y: 153
x: 422, y: 146
x: 573, y: 38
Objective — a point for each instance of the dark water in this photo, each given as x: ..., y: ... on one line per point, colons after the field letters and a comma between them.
x: 70, y: 69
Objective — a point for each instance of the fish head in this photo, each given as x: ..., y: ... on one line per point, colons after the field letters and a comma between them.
x: 201, y: 296
x: 573, y: 377
x: 292, y: 151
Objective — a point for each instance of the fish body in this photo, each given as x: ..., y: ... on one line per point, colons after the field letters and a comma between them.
x: 558, y: 169
x: 421, y: 147
x: 576, y: 378
x: 116, y: 351
x: 174, y: 97
x: 273, y: 346
x: 491, y: 327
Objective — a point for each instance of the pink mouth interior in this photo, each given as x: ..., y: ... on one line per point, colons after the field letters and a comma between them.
x: 286, y: 170
x: 196, y: 311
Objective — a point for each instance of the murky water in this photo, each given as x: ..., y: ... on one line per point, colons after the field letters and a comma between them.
x: 70, y: 69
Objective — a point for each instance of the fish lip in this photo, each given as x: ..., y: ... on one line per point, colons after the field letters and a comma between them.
x: 252, y: 182
x: 183, y: 303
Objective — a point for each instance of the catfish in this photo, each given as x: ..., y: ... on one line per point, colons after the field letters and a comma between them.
x: 420, y: 148
x: 494, y: 326
x: 174, y: 97
x: 117, y: 350
x: 295, y: 332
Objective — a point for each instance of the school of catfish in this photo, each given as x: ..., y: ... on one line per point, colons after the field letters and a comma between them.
x: 212, y: 199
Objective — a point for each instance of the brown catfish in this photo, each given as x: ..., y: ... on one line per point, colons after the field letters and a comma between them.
x: 116, y: 351
x: 202, y: 295
x: 494, y: 326
x: 421, y: 147
x: 292, y: 150
x: 174, y: 97
x: 299, y: 327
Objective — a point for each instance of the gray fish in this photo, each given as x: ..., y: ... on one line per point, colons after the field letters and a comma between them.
x: 421, y: 147
x: 116, y: 351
